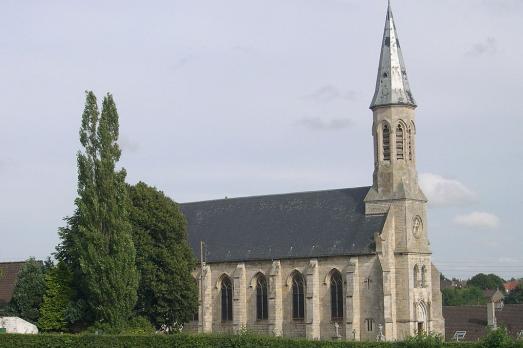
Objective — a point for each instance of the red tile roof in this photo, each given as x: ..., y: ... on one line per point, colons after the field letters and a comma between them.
x: 509, y: 286
x: 8, y: 274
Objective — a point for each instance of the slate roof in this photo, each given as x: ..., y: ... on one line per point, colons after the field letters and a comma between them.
x: 283, y: 226
x: 8, y: 274
x: 473, y: 319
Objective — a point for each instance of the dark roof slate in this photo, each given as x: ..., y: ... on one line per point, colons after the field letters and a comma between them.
x: 8, y: 275
x: 473, y: 319
x: 282, y: 226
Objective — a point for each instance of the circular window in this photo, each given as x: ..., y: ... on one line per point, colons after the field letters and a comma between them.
x: 417, y: 227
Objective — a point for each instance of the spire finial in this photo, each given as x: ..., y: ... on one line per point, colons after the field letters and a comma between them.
x: 392, y: 85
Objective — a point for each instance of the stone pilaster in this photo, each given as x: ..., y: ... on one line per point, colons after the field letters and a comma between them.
x: 312, y: 301
x: 275, y: 300
x: 205, y: 310
x: 239, y: 298
x: 352, y: 301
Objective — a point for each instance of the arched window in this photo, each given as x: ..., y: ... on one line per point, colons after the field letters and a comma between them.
x: 196, y: 313
x: 262, y: 312
x: 409, y: 131
x: 336, y: 296
x: 423, y: 276
x: 386, y: 142
x: 399, y: 142
x: 416, y: 276
x: 298, y: 298
x: 226, y: 299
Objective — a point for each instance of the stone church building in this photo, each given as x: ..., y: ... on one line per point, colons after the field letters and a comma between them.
x: 352, y: 263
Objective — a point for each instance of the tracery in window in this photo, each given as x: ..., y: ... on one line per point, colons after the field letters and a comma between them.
x: 336, y: 285
x: 298, y: 297
x: 226, y: 293
x: 261, y: 298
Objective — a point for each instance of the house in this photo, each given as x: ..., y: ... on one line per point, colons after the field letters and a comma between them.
x: 8, y: 275
x: 475, y: 321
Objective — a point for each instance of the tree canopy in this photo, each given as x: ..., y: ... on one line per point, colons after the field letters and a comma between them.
x: 29, y: 291
x: 97, y: 244
x: 167, y: 292
x: 486, y: 281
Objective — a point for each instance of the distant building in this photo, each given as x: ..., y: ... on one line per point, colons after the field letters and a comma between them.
x: 473, y: 321
x: 511, y: 285
x: 8, y: 275
x: 17, y: 325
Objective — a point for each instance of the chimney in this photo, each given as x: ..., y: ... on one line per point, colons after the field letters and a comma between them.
x: 491, y: 315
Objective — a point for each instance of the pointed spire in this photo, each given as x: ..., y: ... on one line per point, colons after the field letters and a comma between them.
x: 392, y: 85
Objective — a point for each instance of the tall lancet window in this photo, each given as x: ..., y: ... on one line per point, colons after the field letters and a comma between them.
x: 261, y: 298
x: 226, y: 299
x: 409, y: 131
x: 399, y: 142
x: 298, y: 297
x: 423, y: 276
x: 336, y: 296
x: 386, y: 143
x: 416, y: 276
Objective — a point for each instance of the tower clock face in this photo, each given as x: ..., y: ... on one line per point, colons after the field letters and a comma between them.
x: 417, y: 227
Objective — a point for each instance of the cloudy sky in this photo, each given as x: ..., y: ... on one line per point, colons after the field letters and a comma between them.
x: 230, y: 98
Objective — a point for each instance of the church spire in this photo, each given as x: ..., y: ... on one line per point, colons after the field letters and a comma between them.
x: 392, y: 85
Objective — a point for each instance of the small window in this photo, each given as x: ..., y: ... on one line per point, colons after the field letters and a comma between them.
x: 298, y: 297
x: 399, y: 142
x: 386, y: 143
x: 336, y: 296
x: 226, y: 299
x: 261, y: 298
x: 416, y: 276
x: 367, y: 282
x: 370, y: 324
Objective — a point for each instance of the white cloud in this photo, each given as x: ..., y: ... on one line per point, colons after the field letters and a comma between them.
x: 478, y: 219
x: 443, y: 191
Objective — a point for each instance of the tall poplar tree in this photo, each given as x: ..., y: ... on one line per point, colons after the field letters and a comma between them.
x: 97, y: 244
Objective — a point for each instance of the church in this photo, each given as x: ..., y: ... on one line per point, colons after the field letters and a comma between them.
x: 347, y: 264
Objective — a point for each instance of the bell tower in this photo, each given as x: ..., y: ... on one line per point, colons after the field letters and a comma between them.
x: 394, y: 128
x: 412, y: 299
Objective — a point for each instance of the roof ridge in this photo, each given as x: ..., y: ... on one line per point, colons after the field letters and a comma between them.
x: 276, y: 194
x: 11, y: 262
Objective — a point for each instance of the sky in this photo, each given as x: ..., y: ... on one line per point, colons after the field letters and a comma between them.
x: 247, y: 97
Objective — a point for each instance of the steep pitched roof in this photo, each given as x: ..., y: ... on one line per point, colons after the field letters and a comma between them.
x: 294, y: 225
x: 392, y: 84
x: 473, y: 319
x: 8, y: 275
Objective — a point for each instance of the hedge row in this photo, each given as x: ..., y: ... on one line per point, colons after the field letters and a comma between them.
x: 206, y: 341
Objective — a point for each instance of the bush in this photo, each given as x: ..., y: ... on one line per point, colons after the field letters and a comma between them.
x: 498, y: 338
x: 246, y: 340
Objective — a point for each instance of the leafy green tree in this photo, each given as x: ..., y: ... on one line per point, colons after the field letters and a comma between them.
x: 516, y: 295
x: 167, y: 291
x: 463, y: 296
x: 486, y: 281
x: 29, y: 291
x: 57, y: 300
x: 96, y: 245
